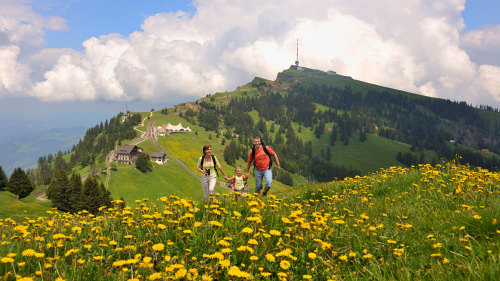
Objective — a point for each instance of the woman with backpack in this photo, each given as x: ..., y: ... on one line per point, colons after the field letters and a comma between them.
x: 208, y: 166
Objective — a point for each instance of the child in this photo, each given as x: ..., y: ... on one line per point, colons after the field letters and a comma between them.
x: 239, y: 182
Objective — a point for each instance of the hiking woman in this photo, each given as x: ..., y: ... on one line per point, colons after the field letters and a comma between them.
x: 208, y: 165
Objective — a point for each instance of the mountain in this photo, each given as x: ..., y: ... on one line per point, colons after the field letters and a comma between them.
x: 322, y: 125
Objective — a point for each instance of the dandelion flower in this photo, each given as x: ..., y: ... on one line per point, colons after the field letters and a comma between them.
x: 275, y: 232
x: 311, y: 255
x: 270, y: 258
x: 7, y: 260
x: 247, y: 230
x: 158, y: 247
x: 225, y: 263
x: 285, y: 264
x: 28, y: 253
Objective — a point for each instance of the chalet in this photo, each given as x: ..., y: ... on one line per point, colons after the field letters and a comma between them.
x: 126, y: 154
x: 159, y: 157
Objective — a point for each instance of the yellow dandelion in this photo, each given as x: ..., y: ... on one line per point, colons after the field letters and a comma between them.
x: 247, y: 230
x: 28, y: 253
x: 307, y: 277
x: 155, y: 276
x: 98, y: 258
x: 285, y: 264
x: 352, y: 254
x: 198, y: 224
x: 343, y: 258
x: 275, y: 232
x: 312, y: 255
x: 158, y: 247
x: 253, y: 242
x: 367, y: 256
x: 215, y: 223
x: 270, y: 258
x: 7, y: 260
x: 225, y: 263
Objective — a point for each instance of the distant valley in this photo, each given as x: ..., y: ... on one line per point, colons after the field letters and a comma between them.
x: 29, y: 145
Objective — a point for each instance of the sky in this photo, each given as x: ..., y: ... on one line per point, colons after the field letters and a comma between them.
x: 84, y: 60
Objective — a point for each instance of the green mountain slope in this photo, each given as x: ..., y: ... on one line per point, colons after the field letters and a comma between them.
x: 323, y: 126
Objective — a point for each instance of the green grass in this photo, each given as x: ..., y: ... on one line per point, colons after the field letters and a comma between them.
x: 428, y: 223
x: 17, y: 209
x: 129, y: 183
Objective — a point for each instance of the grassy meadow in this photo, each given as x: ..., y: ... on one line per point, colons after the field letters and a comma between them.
x: 425, y: 223
x: 17, y: 209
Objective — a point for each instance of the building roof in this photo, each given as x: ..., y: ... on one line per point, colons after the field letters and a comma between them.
x: 126, y: 149
x: 158, y: 154
x: 177, y: 128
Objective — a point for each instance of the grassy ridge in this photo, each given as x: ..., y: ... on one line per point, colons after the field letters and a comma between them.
x: 17, y: 209
x: 430, y: 223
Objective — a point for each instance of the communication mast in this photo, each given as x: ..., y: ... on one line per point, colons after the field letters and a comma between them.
x: 297, y: 61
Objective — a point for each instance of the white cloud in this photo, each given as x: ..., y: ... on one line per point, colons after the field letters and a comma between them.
x: 419, y: 46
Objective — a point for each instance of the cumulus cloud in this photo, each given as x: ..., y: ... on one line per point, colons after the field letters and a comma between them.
x: 419, y: 46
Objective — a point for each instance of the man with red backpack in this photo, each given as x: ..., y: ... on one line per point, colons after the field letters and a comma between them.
x: 261, y: 154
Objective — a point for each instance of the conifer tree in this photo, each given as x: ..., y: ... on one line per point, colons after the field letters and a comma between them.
x: 91, y: 195
x: 75, y: 193
x: 105, y: 196
x: 3, y: 179
x: 58, y: 191
x: 19, y: 183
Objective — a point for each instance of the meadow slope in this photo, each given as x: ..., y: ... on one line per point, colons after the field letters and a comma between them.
x: 425, y: 223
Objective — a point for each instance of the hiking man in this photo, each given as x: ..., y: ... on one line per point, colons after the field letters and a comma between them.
x: 261, y: 154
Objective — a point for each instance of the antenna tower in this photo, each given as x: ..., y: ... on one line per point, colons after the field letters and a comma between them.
x: 297, y: 61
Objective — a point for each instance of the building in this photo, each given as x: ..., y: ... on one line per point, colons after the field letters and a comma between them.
x: 126, y: 154
x: 161, y: 131
x: 159, y: 157
x: 177, y: 128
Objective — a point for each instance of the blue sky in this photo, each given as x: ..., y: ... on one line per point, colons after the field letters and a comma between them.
x: 478, y: 13
x: 88, y: 18
x: 63, y: 56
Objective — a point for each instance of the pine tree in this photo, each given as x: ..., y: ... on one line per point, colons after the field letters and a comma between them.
x: 3, y: 179
x: 105, y: 196
x: 58, y: 191
x: 91, y: 195
x: 19, y: 183
x: 75, y: 193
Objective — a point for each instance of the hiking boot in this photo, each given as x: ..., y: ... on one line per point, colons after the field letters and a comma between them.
x: 266, y: 189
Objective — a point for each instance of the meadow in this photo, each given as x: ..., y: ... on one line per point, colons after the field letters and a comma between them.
x: 421, y: 223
